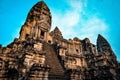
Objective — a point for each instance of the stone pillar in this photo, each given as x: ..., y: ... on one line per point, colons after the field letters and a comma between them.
x: 81, y: 62
x: 72, y: 77
x: 76, y: 77
x: 41, y: 75
x: 45, y: 36
x: 36, y: 32
x: 2, y: 71
x: 39, y: 32
x: 46, y: 76
x: 31, y: 31
x: 79, y: 77
x: 68, y: 47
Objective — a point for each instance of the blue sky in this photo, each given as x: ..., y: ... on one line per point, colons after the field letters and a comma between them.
x: 81, y: 18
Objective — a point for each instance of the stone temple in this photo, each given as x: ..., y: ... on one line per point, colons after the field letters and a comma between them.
x: 41, y: 54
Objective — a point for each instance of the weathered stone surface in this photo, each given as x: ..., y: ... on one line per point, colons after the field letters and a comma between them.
x: 38, y: 22
x: 39, y: 54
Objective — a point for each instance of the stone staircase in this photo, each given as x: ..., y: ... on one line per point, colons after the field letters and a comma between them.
x: 54, y: 63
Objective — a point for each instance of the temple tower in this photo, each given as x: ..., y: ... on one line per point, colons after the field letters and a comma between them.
x: 38, y: 22
x: 103, y: 45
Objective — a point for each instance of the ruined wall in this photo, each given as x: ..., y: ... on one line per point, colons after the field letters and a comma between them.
x: 39, y: 54
x: 38, y: 22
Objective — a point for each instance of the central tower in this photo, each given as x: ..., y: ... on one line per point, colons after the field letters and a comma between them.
x: 38, y: 22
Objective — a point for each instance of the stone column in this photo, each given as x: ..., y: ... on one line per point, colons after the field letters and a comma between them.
x: 2, y: 71
x: 46, y: 76
x: 45, y: 36
x: 68, y: 47
x: 41, y: 75
x: 72, y: 77
x: 79, y: 77
x: 31, y: 32
x: 39, y: 32
x: 36, y: 31
x: 76, y: 77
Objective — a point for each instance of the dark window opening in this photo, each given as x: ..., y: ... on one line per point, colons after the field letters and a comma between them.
x: 49, y: 41
x: 12, y: 74
x: 77, y: 50
x: 38, y: 17
x: 44, y: 13
x: 42, y: 34
x: 26, y: 36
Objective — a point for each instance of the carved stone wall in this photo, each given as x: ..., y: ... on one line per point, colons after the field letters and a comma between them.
x: 39, y: 54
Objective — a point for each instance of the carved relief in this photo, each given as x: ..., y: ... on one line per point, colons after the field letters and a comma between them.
x: 38, y: 46
x: 38, y: 50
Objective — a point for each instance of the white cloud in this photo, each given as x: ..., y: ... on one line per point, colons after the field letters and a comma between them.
x: 92, y: 27
x: 94, y: 24
x: 65, y: 23
x: 72, y: 24
x: 76, y: 5
x: 68, y: 20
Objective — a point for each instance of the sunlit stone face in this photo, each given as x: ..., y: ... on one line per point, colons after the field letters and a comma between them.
x: 34, y: 59
x: 38, y: 46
